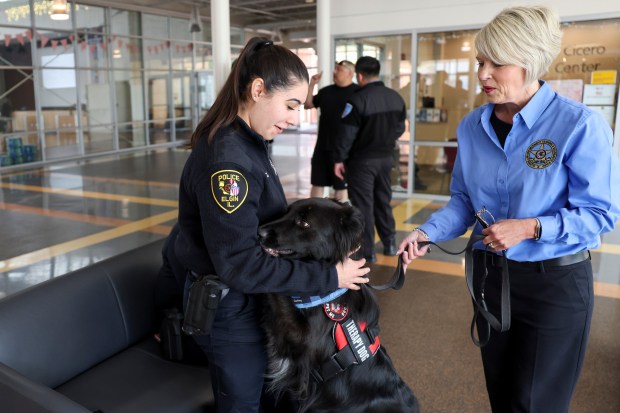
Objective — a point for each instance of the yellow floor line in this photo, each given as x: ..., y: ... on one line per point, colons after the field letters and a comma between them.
x: 111, y: 180
x: 89, y: 194
x: 606, y: 289
x: 69, y: 246
x: 75, y: 216
x: 405, y: 210
x: 601, y: 289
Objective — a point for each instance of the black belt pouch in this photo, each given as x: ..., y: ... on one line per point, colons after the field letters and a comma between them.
x: 205, y: 295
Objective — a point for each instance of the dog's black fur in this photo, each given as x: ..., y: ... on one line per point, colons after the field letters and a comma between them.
x: 300, y: 340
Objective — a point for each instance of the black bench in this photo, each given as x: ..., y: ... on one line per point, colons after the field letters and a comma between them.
x: 83, y: 342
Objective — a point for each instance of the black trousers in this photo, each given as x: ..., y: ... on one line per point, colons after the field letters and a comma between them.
x: 237, y: 357
x: 534, y: 367
x: 370, y: 190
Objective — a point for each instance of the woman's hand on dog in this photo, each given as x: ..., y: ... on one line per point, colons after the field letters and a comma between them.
x: 351, y: 273
x: 409, y: 250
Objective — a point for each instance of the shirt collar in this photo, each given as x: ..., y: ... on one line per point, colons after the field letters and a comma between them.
x: 537, y: 105
x: 534, y: 108
x: 249, y: 131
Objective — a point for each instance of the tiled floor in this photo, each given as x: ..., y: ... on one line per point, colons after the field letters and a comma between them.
x: 57, y: 219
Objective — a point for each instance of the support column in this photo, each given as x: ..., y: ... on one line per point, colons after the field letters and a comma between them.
x: 220, y: 34
x: 324, y: 41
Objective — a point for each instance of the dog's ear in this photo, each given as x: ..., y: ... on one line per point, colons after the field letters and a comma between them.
x: 349, y: 237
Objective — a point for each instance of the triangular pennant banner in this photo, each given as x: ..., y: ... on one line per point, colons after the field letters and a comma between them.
x: 54, y: 44
x: 7, y: 40
x: 44, y: 41
x: 20, y: 38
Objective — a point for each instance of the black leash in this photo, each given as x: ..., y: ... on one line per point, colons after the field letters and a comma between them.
x: 480, y: 308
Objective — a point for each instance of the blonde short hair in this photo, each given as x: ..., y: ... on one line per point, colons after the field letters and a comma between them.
x: 529, y: 37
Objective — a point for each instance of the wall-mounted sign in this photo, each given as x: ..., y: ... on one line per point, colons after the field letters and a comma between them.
x: 604, y: 77
x: 599, y: 94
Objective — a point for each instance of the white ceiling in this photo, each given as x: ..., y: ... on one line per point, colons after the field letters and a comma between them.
x: 292, y: 22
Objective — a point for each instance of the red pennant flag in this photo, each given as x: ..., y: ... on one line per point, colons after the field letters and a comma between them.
x: 29, y: 34
x: 7, y: 40
x: 63, y: 42
x: 44, y: 40
x: 190, y: 47
x: 83, y: 45
x: 102, y: 45
x: 54, y: 44
x: 120, y: 43
x: 93, y: 48
x: 178, y: 48
x: 20, y: 38
x: 71, y: 38
x: 149, y: 49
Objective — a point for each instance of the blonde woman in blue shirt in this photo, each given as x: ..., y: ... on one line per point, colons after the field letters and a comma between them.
x: 541, y: 168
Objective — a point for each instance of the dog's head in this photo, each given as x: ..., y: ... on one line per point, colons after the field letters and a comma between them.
x: 314, y: 228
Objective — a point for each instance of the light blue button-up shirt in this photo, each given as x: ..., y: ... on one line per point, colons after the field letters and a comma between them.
x: 557, y: 165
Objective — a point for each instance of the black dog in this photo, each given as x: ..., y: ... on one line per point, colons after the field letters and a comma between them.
x: 355, y: 375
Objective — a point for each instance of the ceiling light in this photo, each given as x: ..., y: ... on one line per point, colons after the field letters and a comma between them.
x: 59, y: 10
x: 195, y: 25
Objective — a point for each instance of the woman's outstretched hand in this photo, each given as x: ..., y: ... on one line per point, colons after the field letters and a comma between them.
x: 409, y: 249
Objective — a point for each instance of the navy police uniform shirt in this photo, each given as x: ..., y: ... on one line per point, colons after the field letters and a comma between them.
x: 373, y: 118
x: 229, y: 187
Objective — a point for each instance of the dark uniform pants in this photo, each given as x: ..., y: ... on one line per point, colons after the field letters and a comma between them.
x: 236, y: 352
x: 370, y: 190
x: 534, y: 367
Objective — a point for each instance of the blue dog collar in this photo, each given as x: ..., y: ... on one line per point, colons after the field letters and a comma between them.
x: 316, y: 300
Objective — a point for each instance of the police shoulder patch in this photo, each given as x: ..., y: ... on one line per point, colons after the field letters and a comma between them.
x: 347, y: 109
x: 541, y: 154
x: 229, y: 189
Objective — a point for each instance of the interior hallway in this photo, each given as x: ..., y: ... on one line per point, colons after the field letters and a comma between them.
x: 66, y: 216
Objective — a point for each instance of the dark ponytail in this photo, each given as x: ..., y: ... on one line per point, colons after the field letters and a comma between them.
x: 260, y: 58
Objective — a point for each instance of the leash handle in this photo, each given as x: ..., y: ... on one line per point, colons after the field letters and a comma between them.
x: 501, y: 325
x: 397, y: 281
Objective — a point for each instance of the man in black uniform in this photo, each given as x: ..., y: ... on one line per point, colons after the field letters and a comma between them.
x: 331, y: 100
x: 372, y: 120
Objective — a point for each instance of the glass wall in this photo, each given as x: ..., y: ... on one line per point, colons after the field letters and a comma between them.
x: 447, y: 88
x: 104, y: 80
x: 394, y: 54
